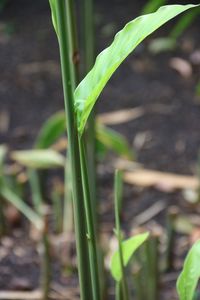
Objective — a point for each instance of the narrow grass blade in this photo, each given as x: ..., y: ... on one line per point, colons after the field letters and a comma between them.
x: 114, y: 141
x: 27, y: 211
x: 51, y: 130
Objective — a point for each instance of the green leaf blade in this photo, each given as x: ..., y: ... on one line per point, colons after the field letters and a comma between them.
x: 109, y: 59
x: 39, y: 158
x: 20, y: 204
x: 51, y: 130
x: 114, y: 141
x: 128, y: 248
x: 3, y: 152
x: 188, y: 279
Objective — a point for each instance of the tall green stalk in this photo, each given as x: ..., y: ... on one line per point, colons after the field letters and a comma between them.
x: 35, y: 190
x: 73, y: 45
x: 122, y: 288
x: 89, y: 58
x: 90, y: 223
x: 73, y: 148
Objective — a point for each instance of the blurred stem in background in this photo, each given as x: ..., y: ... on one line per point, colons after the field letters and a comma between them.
x: 184, y: 22
x: 35, y: 190
x: 121, y: 287
x: 152, y: 5
x: 46, y: 272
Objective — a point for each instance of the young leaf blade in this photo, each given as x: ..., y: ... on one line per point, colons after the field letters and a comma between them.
x: 20, y: 204
x: 188, y: 279
x: 3, y: 151
x: 114, y: 141
x: 51, y: 130
x: 39, y: 158
x: 109, y: 60
x: 128, y: 248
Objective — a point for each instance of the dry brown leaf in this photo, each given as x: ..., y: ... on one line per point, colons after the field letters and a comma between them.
x: 48, y: 66
x: 70, y: 293
x: 120, y: 116
x: 149, y: 178
x: 149, y: 213
x: 130, y: 114
x: 4, y: 121
x: 182, y: 66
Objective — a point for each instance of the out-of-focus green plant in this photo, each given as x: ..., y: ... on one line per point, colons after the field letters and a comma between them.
x: 3, y: 152
x: 51, y: 130
x: 39, y: 159
x: 126, y: 248
x: 184, y: 22
x: 8, y: 194
x: 170, y: 42
x: 198, y: 89
x: 106, y: 138
x: 33, y: 160
x: 2, y: 4
x: 152, y: 5
x: 189, y: 277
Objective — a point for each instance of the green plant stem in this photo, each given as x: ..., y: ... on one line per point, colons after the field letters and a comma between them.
x: 118, y: 291
x: 35, y: 190
x: 2, y: 218
x: 118, y: 195
x: 46, y: 263
x: 73, y: 152
x: 57, y: 210
x: 90, y: 224
x: 68, y: 205
x: 172, y: 215
x: 68, y: 221
x: 151, y: 249
x: 89, y: 58
x: 139, y: 290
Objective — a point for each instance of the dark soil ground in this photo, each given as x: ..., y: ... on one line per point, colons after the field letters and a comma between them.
x: 165, y: 138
